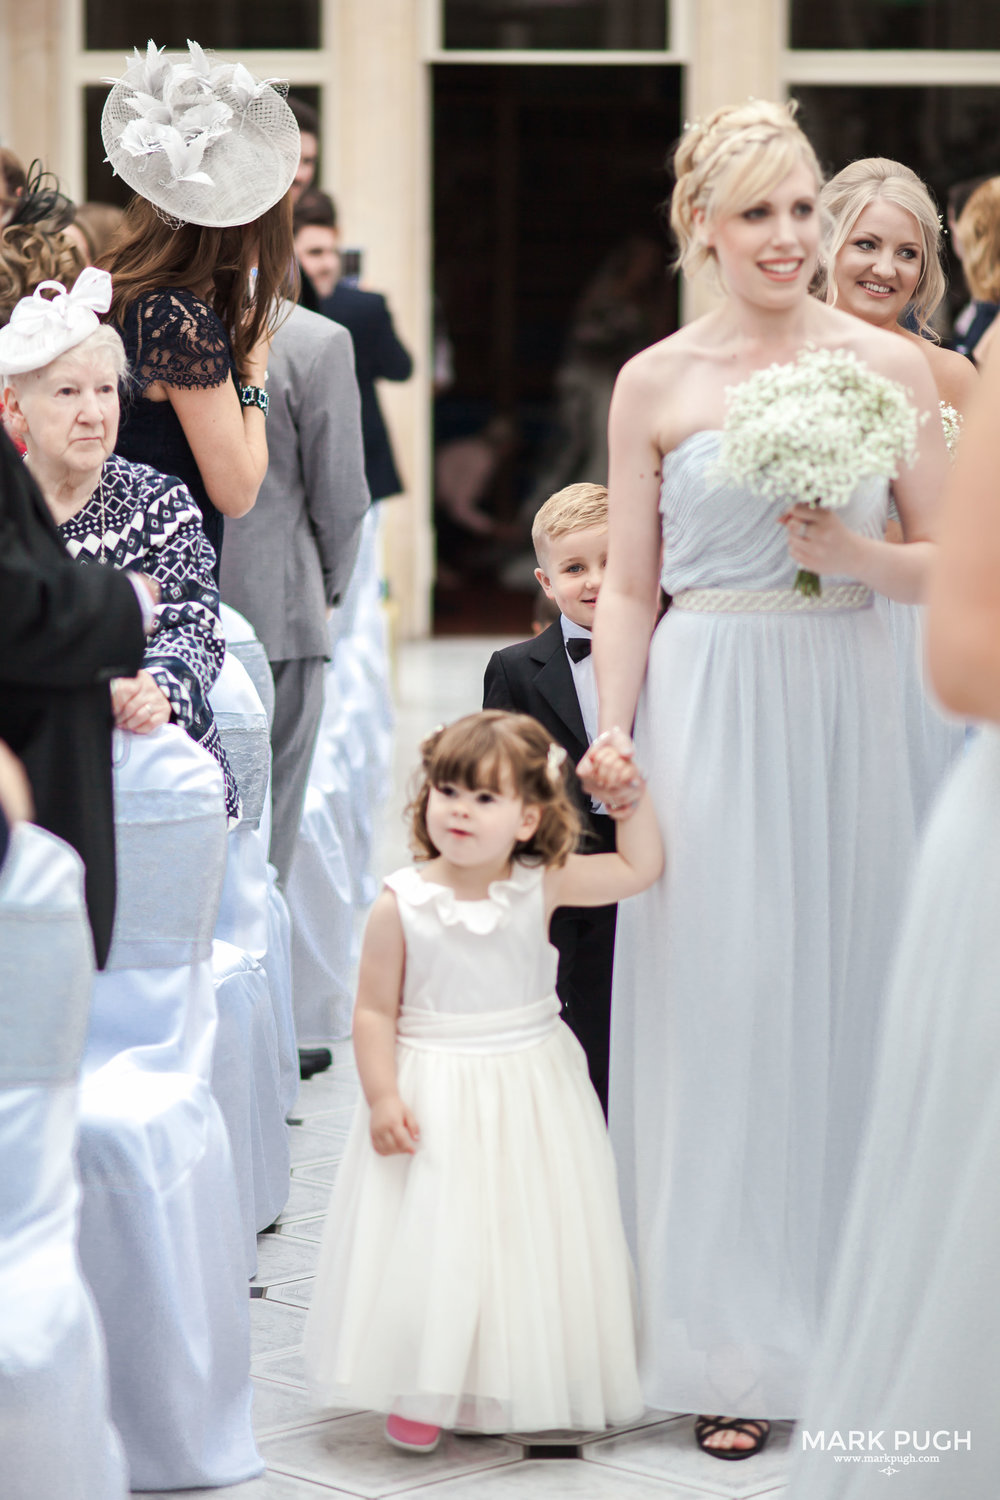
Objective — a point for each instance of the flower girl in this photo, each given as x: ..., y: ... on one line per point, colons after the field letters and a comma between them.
x: 473, y: 1271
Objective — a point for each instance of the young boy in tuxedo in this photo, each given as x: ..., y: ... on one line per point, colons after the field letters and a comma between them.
x: 551, y: 677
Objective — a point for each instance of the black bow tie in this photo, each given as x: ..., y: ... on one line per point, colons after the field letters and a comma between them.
x: 578, y: 647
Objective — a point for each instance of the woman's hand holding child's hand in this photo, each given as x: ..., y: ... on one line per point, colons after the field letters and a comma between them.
x: 608, y: 772
x: 394, y: 1129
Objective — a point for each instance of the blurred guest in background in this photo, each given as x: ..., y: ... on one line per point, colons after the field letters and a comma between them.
x: 978, y: 233
x: 11, y: 183
x: 378, y: 352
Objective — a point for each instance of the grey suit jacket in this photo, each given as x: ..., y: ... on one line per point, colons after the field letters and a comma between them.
x: 292, y: 556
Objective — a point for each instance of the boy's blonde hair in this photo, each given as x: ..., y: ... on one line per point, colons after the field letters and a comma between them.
x: 576, y: 508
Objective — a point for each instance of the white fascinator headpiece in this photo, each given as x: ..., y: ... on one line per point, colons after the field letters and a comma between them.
x: 203, y: 141
x: 43, y: 326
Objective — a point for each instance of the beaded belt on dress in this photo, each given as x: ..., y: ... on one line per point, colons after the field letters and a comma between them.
x: 773, y: 601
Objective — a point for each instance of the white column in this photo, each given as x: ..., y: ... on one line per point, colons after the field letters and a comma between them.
x: 736, y: 55
x: 377, y: 114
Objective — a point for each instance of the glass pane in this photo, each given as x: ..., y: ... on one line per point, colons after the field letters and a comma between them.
x: 947, y: 135
x: 113, y: 24
x: 970, y: 25
x: 101, y: 185
x: 574, y: 25
x: 550, y: 260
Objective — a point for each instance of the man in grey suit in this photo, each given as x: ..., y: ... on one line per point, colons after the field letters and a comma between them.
x: 289, y: 560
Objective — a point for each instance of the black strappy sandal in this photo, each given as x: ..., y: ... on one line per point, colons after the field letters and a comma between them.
x: 751, y: 1427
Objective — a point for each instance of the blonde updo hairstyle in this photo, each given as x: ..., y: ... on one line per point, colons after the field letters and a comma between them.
x: 845, y: 198
x: 978, y: 229
x: 728, y: 162
x: 498, y: 752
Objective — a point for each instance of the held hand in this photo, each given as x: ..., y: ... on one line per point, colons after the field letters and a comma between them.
x: 394, y: 1130
x: 818, y: 540
x: 608, y: 772
x: 139, y: 704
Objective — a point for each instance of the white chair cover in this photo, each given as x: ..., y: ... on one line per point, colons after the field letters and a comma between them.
x: 278, y: 967
x: 56, y: 1438
x: 161, y: 1237
x: 241, y: 640
x: 331, y: 881
x: 277, y: 959
x: 247, y: 1039
x: 247, y: 1076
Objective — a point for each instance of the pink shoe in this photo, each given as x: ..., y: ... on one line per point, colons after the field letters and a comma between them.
x: 411, y: 1437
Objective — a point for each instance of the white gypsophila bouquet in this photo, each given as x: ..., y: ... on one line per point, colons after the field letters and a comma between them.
x: 808, y: 432
x: 951, y: 421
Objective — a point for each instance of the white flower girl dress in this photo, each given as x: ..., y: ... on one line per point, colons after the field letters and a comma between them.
x: 484, y: 1281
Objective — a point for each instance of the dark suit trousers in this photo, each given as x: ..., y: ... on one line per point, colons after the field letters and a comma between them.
x: 585, y: 937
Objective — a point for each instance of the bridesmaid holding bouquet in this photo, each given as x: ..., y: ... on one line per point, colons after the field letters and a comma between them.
x: 748, y: 979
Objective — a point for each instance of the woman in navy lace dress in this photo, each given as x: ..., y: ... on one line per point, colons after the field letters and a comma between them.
x: 201, y: 262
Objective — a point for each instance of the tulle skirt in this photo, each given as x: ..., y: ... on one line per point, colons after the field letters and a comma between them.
x: 483, y: 1282
x: 934, y: 739
x: 913, y: 1327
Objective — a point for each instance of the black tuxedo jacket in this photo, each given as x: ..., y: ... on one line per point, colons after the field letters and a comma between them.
x: 64, y: 632
x: 535, y: 677
x: 378, y: 355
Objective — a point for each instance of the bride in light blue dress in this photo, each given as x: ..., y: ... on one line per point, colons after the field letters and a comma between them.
x: 913, y: 1328
x: 748, y: 980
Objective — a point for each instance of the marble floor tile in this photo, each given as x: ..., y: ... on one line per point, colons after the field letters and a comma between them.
x: 336, y: 1089
x: 283, y: 1257
x: 333, y: 1121
x: 268, y: 1487
x: 278, y: 1407
x: 317, y: 1172
x: 305, y: 1201
x: 286, y: 1368
x: 274, y: 1328
x: 351, y: 1453
x: 567, y: 1437
x: 668, y: 1452
x: 552, y: 1479
x: 308, y: 1145
x: 295, y: 1293
x: 304, y: 1229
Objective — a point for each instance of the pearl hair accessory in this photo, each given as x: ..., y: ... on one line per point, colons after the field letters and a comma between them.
x: 554, y: 762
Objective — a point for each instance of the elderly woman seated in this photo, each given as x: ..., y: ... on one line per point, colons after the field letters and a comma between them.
x: 60, y: 371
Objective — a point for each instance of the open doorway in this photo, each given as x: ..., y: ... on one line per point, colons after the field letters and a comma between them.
x: 550, y: 265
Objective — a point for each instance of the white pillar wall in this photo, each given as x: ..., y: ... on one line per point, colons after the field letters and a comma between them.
x: 735, y: 55
x: 377, y: 120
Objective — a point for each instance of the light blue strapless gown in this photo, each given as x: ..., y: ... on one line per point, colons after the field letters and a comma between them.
x: 913, y: 1324
x: 749, y: 979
